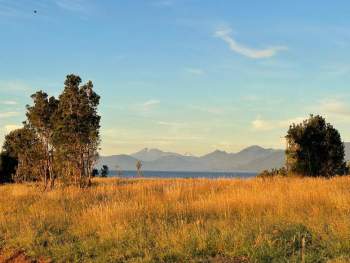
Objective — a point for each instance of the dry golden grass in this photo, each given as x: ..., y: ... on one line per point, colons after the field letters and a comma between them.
x: 180, y: 220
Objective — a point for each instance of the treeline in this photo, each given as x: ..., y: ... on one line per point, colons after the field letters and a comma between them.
x: 314, y: 148
x: 59, y: 139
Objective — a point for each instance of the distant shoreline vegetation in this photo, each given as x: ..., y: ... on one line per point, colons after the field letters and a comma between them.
x: 184, y: 174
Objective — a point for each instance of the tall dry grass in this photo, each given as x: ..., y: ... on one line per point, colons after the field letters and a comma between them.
x: 182, y: 220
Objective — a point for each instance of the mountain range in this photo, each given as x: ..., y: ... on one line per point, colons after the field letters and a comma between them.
x: 253, y: 158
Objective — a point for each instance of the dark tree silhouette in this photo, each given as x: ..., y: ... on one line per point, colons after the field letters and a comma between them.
x: 8, y: 166
x: 24, y: 146
x: 104, y: 171
x: 314, y: 148
x: 94, y: 172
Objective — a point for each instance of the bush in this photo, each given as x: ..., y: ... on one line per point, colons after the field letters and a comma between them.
x: 8, y: 166
x: 272, y: 173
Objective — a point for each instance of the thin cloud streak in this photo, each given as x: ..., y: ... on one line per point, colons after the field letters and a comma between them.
x: 9, y: 102
x: 195, y: 71
x: 210, y: 110
x: 260, y: 124
x: 81, y: 6
x: 8, y: 114
x: 151, y: 103
x: 146, y: 106
x: 225, y: 35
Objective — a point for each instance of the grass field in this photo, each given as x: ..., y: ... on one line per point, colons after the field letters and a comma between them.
x: 182, y: 220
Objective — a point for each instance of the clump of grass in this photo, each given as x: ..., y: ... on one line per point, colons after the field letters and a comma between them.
x: 180, y: 220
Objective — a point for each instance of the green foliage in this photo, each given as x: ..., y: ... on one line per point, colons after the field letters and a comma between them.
x: 290, y: 243
x: 24, y: 146
x: 315, y: 148
x: 8, y: 166
x: 95, y: 172
x: 104, y: 171
x: 76, y: 130
x: 272, y: 173
x: 40, y: 118
x: 60, y: 138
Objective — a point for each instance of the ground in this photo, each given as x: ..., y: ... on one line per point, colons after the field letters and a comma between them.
x: 178, y: 220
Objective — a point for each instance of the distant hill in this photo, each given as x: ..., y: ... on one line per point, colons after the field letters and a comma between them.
x: 148, y: 155
x: 253, y: 158
x: 347, y: 151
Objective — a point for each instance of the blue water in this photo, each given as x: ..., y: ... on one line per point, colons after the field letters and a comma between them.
x: 160, y: 174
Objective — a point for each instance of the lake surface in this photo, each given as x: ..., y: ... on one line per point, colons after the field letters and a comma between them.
x: 160, y: 174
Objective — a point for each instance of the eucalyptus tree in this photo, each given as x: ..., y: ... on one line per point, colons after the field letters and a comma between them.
x: 76, y: 130
x: 60, y: 137
x: 40, y: 118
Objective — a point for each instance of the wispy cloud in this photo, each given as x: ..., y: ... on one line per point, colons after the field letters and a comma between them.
x: 81, y: 6
x: 195, y: 71
x: 8, y: 11
x: 19, y: 9
x: 175, y: 138
x: 225, y: 35
x: 149, y: 105
x: 211, y: 110
x: 336, y: 70
x: 9, y: 102
x: 15, y: 85
x: 260, y: 124
x: 335, y: 107
x: 8, y: 114
x: 171, y: 124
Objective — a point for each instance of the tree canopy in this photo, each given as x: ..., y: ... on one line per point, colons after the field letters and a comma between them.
x: 60, y: 137
x: 315, y: 148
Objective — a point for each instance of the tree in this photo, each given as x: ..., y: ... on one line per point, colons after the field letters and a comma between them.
x: 60, y: 138
x: 76, y: 132
x: 94, y: 172
x: 104, y: 171
x: 138, y: 167
x: 40, y: 118
x: 26, y: 148
x: 314, y: 148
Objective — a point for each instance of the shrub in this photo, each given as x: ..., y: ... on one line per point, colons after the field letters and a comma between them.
x: 272, y: 173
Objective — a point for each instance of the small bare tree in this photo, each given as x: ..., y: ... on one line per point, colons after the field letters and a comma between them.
x: 138, y: 167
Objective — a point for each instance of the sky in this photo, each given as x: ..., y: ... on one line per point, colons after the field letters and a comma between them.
x: 189, y: 76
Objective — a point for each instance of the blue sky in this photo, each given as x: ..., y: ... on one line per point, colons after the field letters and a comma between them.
x: 182, y: 75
